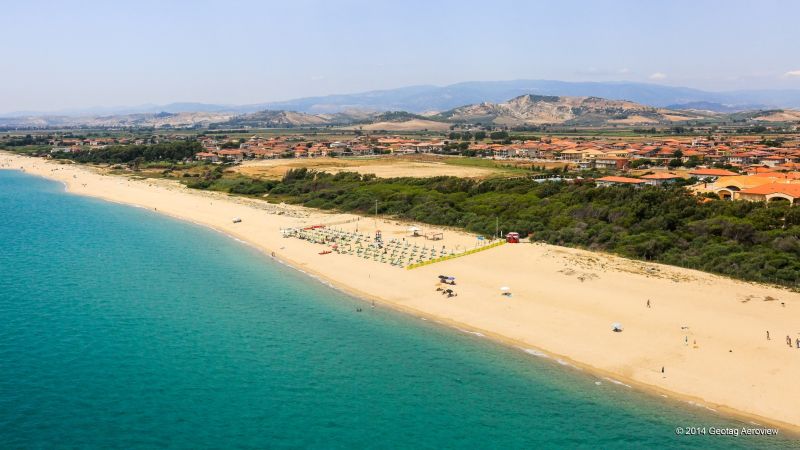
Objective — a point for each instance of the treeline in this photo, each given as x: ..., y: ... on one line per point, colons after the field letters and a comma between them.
x: 746, y: 240
x: 16, y: 141
x: 132, y: 154
x: 478, y: 136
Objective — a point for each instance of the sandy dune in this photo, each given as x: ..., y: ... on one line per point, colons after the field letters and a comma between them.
x: 707, y: 332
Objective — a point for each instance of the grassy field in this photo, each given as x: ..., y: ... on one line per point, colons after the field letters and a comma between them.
x: 418, y: 166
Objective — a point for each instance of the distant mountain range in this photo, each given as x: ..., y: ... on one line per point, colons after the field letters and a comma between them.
x: 422, y: 99
x: 521, y: 111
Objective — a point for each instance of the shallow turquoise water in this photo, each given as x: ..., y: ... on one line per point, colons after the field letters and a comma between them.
x: 121, y: 328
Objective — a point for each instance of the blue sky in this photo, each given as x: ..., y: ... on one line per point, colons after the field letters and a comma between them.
x: 72, y: 54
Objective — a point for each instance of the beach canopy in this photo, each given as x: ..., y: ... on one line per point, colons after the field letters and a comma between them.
x: 413, y: 229
x: 505, y: 288
x: 616, y: 326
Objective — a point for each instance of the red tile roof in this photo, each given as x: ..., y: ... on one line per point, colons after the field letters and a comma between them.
x: 713, y: 173
x: 661, y: 176
x: 621, y: 180
x: 775, y: 188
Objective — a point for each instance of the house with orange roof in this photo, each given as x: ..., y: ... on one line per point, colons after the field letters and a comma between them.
x: 730, y: 187
x: 231, y: 155
x: 756, y: 169
x: 657, y: 179
x: 206, y: 156
x: 570, y: 155
x: 609, y: 162
x: 300, y: 151
x: 711, y: 173
x: 772, y: 192
x: 773, y: 161
x: 619, y: 181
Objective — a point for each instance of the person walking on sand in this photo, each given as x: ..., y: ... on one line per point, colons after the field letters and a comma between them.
x: 798, y: 342
x: 788, y: 341
x: 648, y: 302
x: 767, y: 334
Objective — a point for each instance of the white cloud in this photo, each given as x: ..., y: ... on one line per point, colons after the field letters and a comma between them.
x: 792, y: 73
x: 658, y: 76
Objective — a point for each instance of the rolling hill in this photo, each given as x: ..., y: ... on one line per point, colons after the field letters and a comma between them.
x: 583, y: 111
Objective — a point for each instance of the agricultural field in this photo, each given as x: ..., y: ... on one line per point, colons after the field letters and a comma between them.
x: 383, y: 167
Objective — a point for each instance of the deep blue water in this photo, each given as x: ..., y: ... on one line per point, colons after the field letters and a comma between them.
x: 121, y: 328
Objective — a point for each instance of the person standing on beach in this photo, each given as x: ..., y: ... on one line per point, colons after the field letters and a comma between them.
x: 798, y: 342
x: 788, y: 341
x: 767, y: 334
x: 648, y: 302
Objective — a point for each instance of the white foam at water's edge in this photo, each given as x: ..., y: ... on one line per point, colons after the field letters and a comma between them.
x: 537, y: 353
x: 470, y: 332
x: 617, y: 382
x: 567, y: 363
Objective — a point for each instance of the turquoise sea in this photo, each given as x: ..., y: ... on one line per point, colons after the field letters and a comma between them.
x: 122, y: 328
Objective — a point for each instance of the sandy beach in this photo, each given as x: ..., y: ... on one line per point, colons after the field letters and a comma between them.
x: 708, y: 333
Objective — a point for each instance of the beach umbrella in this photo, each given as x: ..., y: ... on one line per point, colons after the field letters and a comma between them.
x: 505, y: 289
x: 616, y: 326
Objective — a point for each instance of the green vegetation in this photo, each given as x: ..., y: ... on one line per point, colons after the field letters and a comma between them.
x: 750, y: 241
x: 136, y: 154
x: 507, y: 168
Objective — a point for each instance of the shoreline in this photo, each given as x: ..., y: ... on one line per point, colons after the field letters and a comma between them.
x: 504, y: 332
